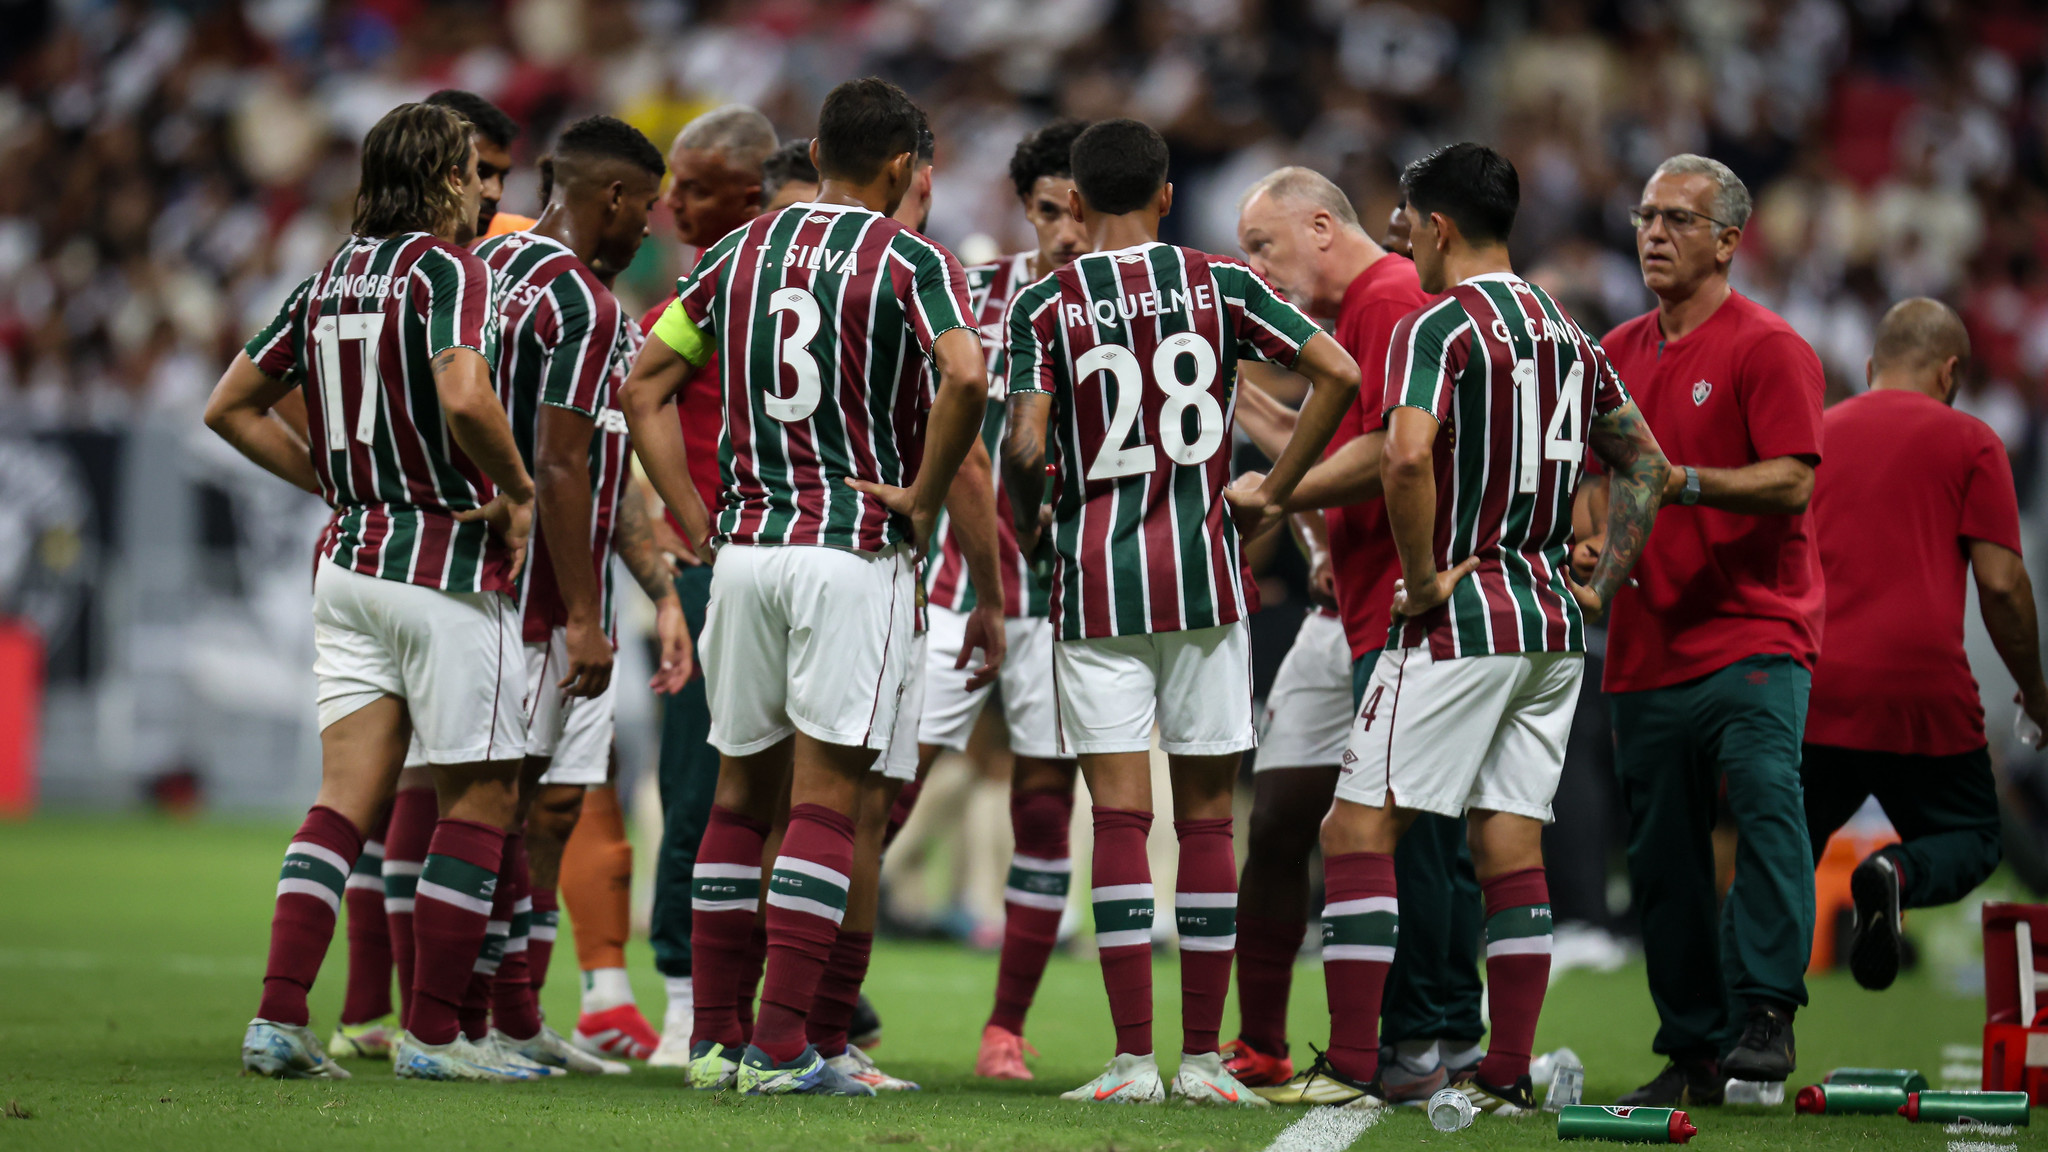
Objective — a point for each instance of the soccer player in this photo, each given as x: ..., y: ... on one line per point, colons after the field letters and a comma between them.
x: 825, y: 499
x: 565, y: 344
x: 1042, y: 784
x: 1298, y: 230
x: 393, y: 341
x: 495, y: 132
x: 1123, y: 361
x: 788, y: 176
x: 1709, y: 656
x: 1914, y: 493
x: 1493, y: 395
x: 718, y: 182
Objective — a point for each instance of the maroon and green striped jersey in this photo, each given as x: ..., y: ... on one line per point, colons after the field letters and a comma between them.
x: 1138, y: 349
x: 1025, y: 592
x: 1516, y: 384
x: 823, y: 318
x: 564, y: 342
x: 359, y: 337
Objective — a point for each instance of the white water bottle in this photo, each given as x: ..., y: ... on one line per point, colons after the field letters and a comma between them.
x: 1449, y: 1110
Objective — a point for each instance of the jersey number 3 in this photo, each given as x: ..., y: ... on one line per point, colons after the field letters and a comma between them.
x: 795, y: 353
x: 1114, y: 460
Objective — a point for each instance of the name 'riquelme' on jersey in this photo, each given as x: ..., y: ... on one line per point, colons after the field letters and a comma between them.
x: 1516, y: 385
x: 824, y: 317
x: 1138, y: 347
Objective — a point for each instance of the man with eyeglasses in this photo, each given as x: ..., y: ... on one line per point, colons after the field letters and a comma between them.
x: 1710, y: 654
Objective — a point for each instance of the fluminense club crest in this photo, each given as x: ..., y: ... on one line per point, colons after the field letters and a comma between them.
x: 1700, y: 392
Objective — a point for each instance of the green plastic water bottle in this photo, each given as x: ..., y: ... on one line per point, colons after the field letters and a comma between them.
x: 1627, y: 1125
x: 1966, y: 1107
x: 1849, y: 1100
x: 1904, y: 1079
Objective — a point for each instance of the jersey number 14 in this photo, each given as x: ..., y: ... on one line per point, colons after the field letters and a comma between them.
x: 1558, y: 442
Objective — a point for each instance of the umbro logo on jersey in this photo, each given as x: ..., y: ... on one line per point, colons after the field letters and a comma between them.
x: 818, y: 218
x: 1350, y: 757
x: 1700, y: 392
x: 1133, y: 258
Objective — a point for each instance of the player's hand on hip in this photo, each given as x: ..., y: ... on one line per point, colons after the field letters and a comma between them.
x: 902, y: 501
x: 985, y: 631
x: 1589, y: 601
x: 511, y: 520
x: 1416, y: 601
x: 590, y: 659
x: 678, y: 655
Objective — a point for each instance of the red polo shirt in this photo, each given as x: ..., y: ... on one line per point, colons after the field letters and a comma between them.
x: 1909, y: 483
x: 700, y: 407
x: 1715, y: 587
x: 1362, y: 553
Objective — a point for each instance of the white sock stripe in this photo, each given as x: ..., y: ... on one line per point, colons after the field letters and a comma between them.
x: 1520, y: 946
x: 516, y: 944
x: 542, y: 932
x: 712, y: 871
x: 706, y: 906
x: 812, y: 868
x: 1121, y: 892
x: 428, y: 890
x: 525, y: 905
x: 1209, y: 943
x: 487, y: 967
x: 1124, y: 939
x: 1039, y: 864
x: 808, y: 907
x: 1043, y: 900
x: 373, y: 848
x: 1357, y: 907
x: 1205, y: 899
x: 319, y: 852
x: 497, y: 928
x: 403, y: 867
x: 1378, y: 953
x: 297, y: 887
x: 362, y: 880
x: 399, y: 906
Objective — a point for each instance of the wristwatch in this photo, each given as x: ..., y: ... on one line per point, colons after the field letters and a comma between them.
x: 1690, y: 494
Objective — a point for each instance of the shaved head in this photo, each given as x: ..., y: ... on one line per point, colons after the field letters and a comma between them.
x: 1918, y: 335
x: 739, y: 133
x: 717, y: 160
x: 1306, y: 187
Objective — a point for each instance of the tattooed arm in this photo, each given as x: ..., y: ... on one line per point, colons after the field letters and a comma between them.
x: 1024, y: 464
x: 633, y: 540
x: 1636, y: 475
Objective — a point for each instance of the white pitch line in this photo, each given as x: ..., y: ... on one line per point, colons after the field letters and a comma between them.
x: 1979, y: 1146
x: 1332, y: 1129
x: 1969, y: 1129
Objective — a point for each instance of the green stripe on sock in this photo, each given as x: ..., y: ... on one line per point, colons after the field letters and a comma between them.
x: 1372, y: 929
x: 800, y: 886
x: 724, y: 888
x: 369, y: 863
x: 1123, y: 916
x: 1518, y: 923
x: 298, y: 866
x: 1206, y: 921
x: 1038, y: 883
x: 460, y: 876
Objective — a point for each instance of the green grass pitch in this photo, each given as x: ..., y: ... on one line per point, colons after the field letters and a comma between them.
x: 131, y: 951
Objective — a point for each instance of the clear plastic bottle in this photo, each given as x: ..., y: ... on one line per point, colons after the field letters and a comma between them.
x: 1449, y: 1110
x: 1567, y: 1080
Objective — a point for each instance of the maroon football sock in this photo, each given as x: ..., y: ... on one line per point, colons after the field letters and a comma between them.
x: 1205, y: 913
x: 413, y: 814
x: 1517, y: 970
x: 1121, y: 892
x: 540, y: 934
x: 309, y: 888
x: 451, y: 916
x: 806, y: 900
x: 369, y: 932
x: 753, y: 958
x: 514, y: 1008
x: 1033, y: 900
x: 838, y: 992
x: 1360, y: 926
x: 725, y: 895
x: 1266, y: 949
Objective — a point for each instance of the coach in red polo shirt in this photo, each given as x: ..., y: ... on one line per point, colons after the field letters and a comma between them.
x: 717, y: 161
x: 1300, y: 232
x: 1710, y: 656
x: 1915, y: 495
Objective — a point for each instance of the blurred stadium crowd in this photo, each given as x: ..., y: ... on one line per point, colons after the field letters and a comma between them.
x: 173, y: 168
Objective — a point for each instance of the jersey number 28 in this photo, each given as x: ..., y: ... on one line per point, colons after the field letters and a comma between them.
x: 1114, y: 460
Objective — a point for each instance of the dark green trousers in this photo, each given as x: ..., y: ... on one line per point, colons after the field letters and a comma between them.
x: 1945, y: 809
x: 1433, y: 988
x: 1676, y: 748
x: 688, y: 780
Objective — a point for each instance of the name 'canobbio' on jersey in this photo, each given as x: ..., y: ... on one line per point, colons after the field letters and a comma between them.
x: 1138, y: 348
x: 359, y: 337
x: 1516, y: 385
x: 824, y: 317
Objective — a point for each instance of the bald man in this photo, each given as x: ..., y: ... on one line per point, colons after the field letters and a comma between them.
x: 1914, y: 493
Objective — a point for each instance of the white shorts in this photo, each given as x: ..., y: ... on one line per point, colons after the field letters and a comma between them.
x: 1196, y: 685
x: 546, y: 663
x: 1308, y: 711
x: 950, y: 710
x: 899, y: 760
x: 453, y: 657
x: 807, y: 638
x: 583, y: 754
x: 1448, y: 736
